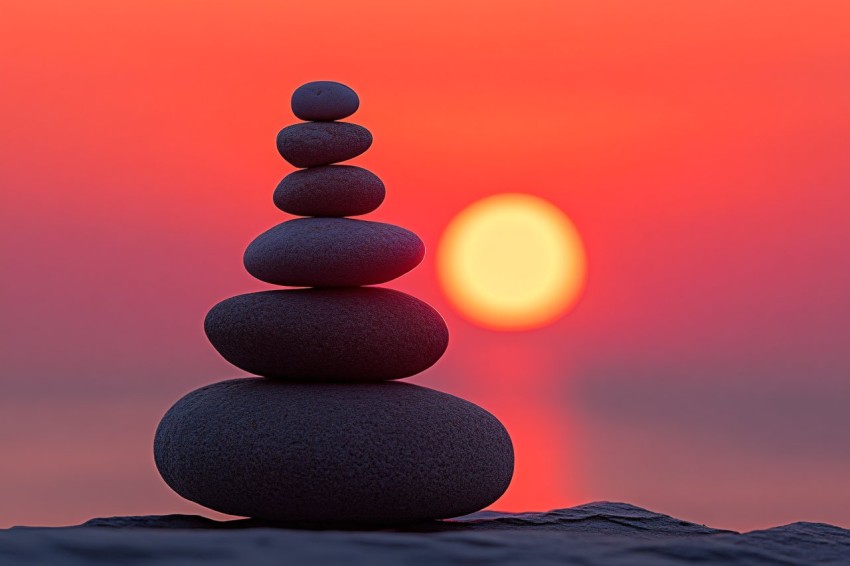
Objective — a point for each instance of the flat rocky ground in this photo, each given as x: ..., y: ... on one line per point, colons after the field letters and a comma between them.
x: 596, y: 533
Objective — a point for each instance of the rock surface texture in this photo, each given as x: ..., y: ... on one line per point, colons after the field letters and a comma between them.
x: 324, y: 100
x: 333, y: 252
x: 322, y: 143
x: 323, y: 436
x: 330, y: 190
x: 398, y: 452
x: 596, y: 534
x: 350, y: 334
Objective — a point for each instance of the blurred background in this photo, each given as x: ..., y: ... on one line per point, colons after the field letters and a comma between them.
x: 701, y: 149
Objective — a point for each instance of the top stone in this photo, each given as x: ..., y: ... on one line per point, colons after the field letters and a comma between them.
x: 324, y: 101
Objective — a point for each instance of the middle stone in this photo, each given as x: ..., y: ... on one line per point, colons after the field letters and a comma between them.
x: 333, y: 252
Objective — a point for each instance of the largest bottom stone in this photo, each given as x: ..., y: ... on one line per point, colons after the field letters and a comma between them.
x: 376, y: 452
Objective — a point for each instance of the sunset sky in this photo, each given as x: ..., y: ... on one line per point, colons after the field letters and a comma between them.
x: 702, y: 150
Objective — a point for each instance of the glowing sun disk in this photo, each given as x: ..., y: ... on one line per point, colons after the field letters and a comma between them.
x: 511, y: 261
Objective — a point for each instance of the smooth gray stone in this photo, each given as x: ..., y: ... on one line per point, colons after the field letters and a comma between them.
x: 341, y: 453
x: 330, y: 190
x: 332, y: 252
x: 324, y: 100
x: 322, y: 143
x: 348, y: 334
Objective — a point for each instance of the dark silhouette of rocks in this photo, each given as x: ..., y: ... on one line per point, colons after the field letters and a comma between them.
x: 321, y: 101
x: 348, y: 334
x: 322, y: 143
x: 594, y: 534
x: 323, y: 437
x: 333, y: 252
x: 330, y: 190
x: 381, y: 452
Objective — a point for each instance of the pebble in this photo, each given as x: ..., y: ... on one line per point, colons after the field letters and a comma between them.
x: 332, y: 252
x: 322, y: 143
x: 379, y: 453
x: 324, y: 100
x: 330, y: 190
x: 350, y: 334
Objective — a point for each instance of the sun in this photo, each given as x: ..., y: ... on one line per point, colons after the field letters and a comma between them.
x: 511, y: 261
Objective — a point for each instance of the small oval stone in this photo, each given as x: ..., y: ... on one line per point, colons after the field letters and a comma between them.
x: 322, y: 143
x: 330, y: 190
x: 335, y: 453
x: 332, y: 252
x: 348, y: 334
x: 324, y: 100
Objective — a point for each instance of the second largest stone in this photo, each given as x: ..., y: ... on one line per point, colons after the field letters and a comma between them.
x: 346, y: 334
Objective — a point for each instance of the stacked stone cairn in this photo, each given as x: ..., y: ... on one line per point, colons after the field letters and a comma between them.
x: 325, y: 435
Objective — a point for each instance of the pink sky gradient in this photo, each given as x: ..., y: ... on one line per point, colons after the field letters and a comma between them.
x: 701, y: 148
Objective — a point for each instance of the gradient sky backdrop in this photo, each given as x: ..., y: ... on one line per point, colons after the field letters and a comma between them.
x: 701, y: 148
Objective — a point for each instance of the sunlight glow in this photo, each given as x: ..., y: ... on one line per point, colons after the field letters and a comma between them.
x: 511, y: 261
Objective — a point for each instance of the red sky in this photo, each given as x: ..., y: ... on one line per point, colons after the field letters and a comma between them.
x: 700, y: 147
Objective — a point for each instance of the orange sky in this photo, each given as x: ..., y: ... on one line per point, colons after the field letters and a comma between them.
x: 700, y: 148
